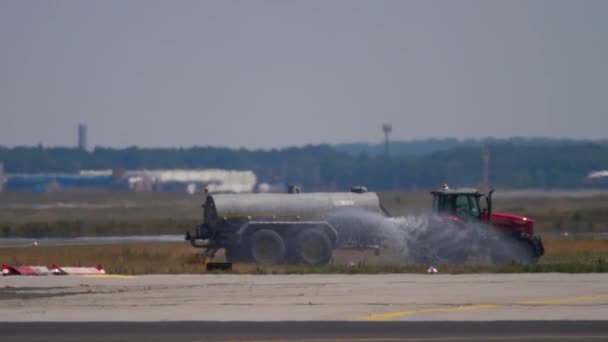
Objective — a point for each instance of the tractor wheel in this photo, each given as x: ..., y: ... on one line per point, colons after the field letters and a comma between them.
x: 536, y: 246
x: 539, y: 248
x: 312, y: 247
x: 267, y: 247
x: 521, y: 248
x: 528, y: 249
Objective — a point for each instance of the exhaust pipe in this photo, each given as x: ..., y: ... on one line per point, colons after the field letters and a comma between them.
x: 489, y: 204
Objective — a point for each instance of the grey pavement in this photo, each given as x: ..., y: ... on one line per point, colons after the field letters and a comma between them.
x: 309, y: 297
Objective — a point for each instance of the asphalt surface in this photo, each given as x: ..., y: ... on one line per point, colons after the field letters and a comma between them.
x: 305, y: 308
x: 307, y: 297
x: 309, y: 331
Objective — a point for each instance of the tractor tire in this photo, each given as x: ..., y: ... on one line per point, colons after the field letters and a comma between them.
x: 522, y: 248
x: 267, y: 247
x: 530, y: 249
x: 539, y: 248
x: 312, y: 247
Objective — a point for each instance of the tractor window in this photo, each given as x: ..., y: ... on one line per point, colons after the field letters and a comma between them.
x: 474, y: 201
x: 467, y: 206
x: 443, y: 204
x: 463, y: 205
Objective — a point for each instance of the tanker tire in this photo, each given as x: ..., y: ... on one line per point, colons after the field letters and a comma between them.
x: 267, y: 247
x: 316, y: 239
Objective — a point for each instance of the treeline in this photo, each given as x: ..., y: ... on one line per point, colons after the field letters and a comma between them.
x: 428, y: 146
x: 559, y: 165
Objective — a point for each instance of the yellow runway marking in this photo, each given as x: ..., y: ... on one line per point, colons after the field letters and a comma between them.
x: 540, y: 302
x: 561, y: 300
x: 117, y: 276
x: 389, y: 315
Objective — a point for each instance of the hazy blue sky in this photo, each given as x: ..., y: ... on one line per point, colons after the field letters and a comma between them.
x: 277, y: 73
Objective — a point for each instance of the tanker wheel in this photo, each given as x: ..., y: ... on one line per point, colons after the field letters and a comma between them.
x: 312, y: 247
x: 267, y: 247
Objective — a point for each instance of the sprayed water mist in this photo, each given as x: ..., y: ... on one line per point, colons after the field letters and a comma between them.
x: 424, y: 239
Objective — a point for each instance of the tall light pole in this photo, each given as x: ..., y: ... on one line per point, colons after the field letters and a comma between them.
x: 387, y: 129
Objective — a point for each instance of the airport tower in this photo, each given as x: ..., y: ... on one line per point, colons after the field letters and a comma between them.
x: 82, y: 137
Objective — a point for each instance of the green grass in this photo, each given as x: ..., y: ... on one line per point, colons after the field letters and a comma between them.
x: 566, y: 255
x: 39, y: 215
x: 75, y: 228
x: 63, y: 214
x: 599, y: 266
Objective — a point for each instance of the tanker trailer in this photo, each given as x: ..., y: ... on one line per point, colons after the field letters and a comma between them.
x: 295, y: 227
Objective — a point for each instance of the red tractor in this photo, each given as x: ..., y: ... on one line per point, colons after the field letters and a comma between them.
x: 460, y: 229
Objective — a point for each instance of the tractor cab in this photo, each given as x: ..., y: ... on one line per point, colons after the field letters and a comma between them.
x: 462, y: 203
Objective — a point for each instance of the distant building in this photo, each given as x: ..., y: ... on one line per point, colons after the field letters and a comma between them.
x: 217, y: 180
x: 189, y: 181
x: 52, y: 182
x: 82, y: 137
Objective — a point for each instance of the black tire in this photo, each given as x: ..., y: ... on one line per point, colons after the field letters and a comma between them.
x: 535, y: 246
x: 529, y: 249
x: 267, y: 247
x: 522, y: 248
x: 539, y: 248
x: 526, y: 252
x: 312, y: 247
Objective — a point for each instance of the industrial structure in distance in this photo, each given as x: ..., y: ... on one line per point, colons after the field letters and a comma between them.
x: 186, y: 180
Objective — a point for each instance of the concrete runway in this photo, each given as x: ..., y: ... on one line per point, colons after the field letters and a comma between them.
x: 308, y: 331
x: 310, y: 297
x: 88, y: 240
